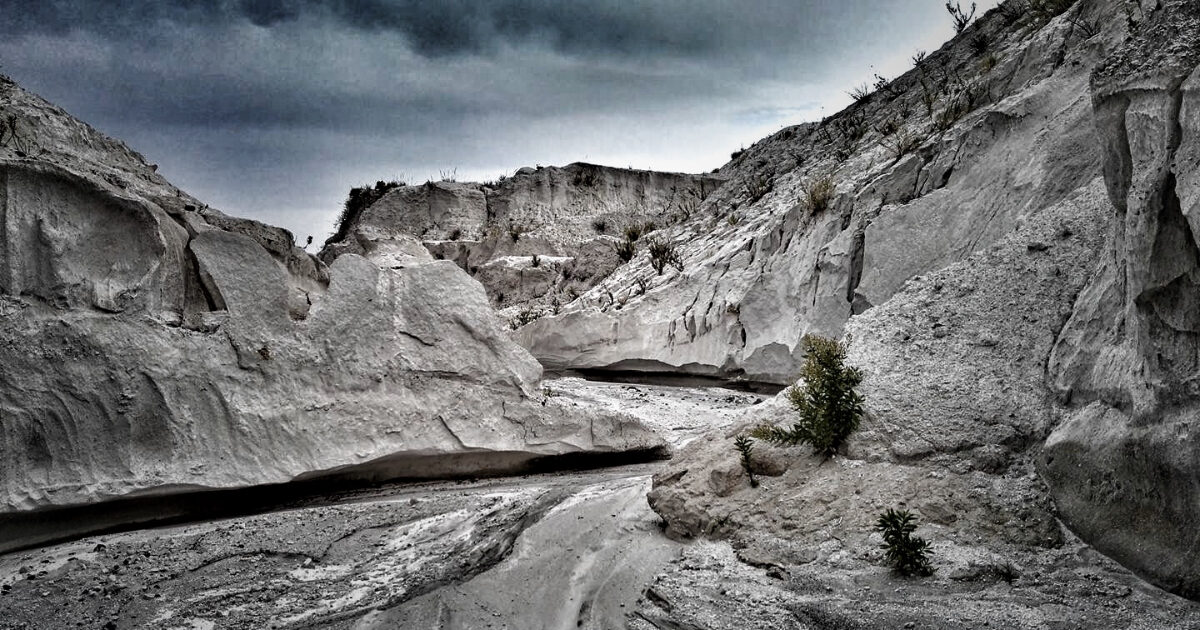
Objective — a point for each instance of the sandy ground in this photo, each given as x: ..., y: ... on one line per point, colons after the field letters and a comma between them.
x: 565, y: 550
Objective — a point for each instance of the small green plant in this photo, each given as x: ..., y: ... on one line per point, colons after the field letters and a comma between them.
x: 733, y: 219
x: 745, y: 447
x: 524, y: 316
x: 860, y: 93
x: 455, y: 234
x: 535, y: 261
x: 919, y: 57
x: 360, y: 198
x: 626, y: 249
x: 515, y: 230
x: 962, y: 18
x: 988, y: 63
x: 819, y: 194
x: 829, y: 408
x: 664, y: 254
x: 449, y: 175
x: 600, y: 225
x: 908, y: 554
x: 634, y: 232
x: 641, y: 285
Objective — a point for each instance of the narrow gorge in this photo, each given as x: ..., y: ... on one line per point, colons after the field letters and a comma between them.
x: 529, y: 402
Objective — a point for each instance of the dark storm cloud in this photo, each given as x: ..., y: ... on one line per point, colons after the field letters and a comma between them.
x: 455, y: 27
x: 273, y: 108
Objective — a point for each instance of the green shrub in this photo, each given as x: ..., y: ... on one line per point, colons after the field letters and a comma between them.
x: 819, y: 194
x: 745, y: 448
x: 663, y: 254
x: 634, y: 232
x: 535, y: 261
x: 600, y: 225
x: 908, y: 554
x: 829, y: 408
x: 860, y: 93
x: 626, y: 249
x: 515, y: 230
x: 360, y: 198
x: 524, y: 316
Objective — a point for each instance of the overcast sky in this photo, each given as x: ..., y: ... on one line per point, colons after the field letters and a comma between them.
x: 273, y: 109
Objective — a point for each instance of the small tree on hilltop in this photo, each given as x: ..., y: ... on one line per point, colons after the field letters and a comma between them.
x: 829, y: 407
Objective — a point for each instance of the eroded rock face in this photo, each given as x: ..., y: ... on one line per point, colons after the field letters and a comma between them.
x: 1124, y: 466
x: 570, y: 215
x: 761, y: 269
x: 150, y: 350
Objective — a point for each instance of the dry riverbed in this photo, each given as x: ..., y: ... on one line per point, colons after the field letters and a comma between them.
x: 563, y: 550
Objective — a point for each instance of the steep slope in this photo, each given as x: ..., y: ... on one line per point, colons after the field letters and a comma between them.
x: 930, y: 168
x: 1047, y: 374
x: 151, y: 346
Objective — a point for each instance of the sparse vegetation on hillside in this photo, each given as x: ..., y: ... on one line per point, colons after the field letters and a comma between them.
x: 515, y: 230
x: 360, y: 198
x: 962, y: 17
x: 1034, y: 13
x: 908, y: 554
x: 524, y: 316
x: 860, y: 93
x: 746, y: 448
x: 626, y: 249
x: 664, y: 254
x: 819, y: 193
x: 903, y: 143
x: 828, y: 406
x: 757, y: 187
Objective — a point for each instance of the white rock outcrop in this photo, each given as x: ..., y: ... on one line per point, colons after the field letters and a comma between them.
x: 148, y: 345
x: 1007, y: 134
x: 1124, y: 465
x: 1032, y: 349
x: 576, y: 212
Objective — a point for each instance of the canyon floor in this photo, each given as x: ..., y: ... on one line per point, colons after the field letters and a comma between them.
x: 556, y: 550
x: 567, y: 549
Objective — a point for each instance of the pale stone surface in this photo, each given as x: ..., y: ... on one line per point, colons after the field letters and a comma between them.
x: 152, y: 351
x: 572, y: 212
x: 1124, y: 466
x: 752, y: 287
x: 1090, y: 293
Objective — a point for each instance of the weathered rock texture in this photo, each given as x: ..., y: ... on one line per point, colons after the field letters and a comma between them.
x: 1124, y: 467
x: 1010, y: 134
x: 1032, y: 351
x: 148, y: 345
x: 571, y: 218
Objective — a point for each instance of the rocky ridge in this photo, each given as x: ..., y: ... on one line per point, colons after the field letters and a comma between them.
x: 535, y: 240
